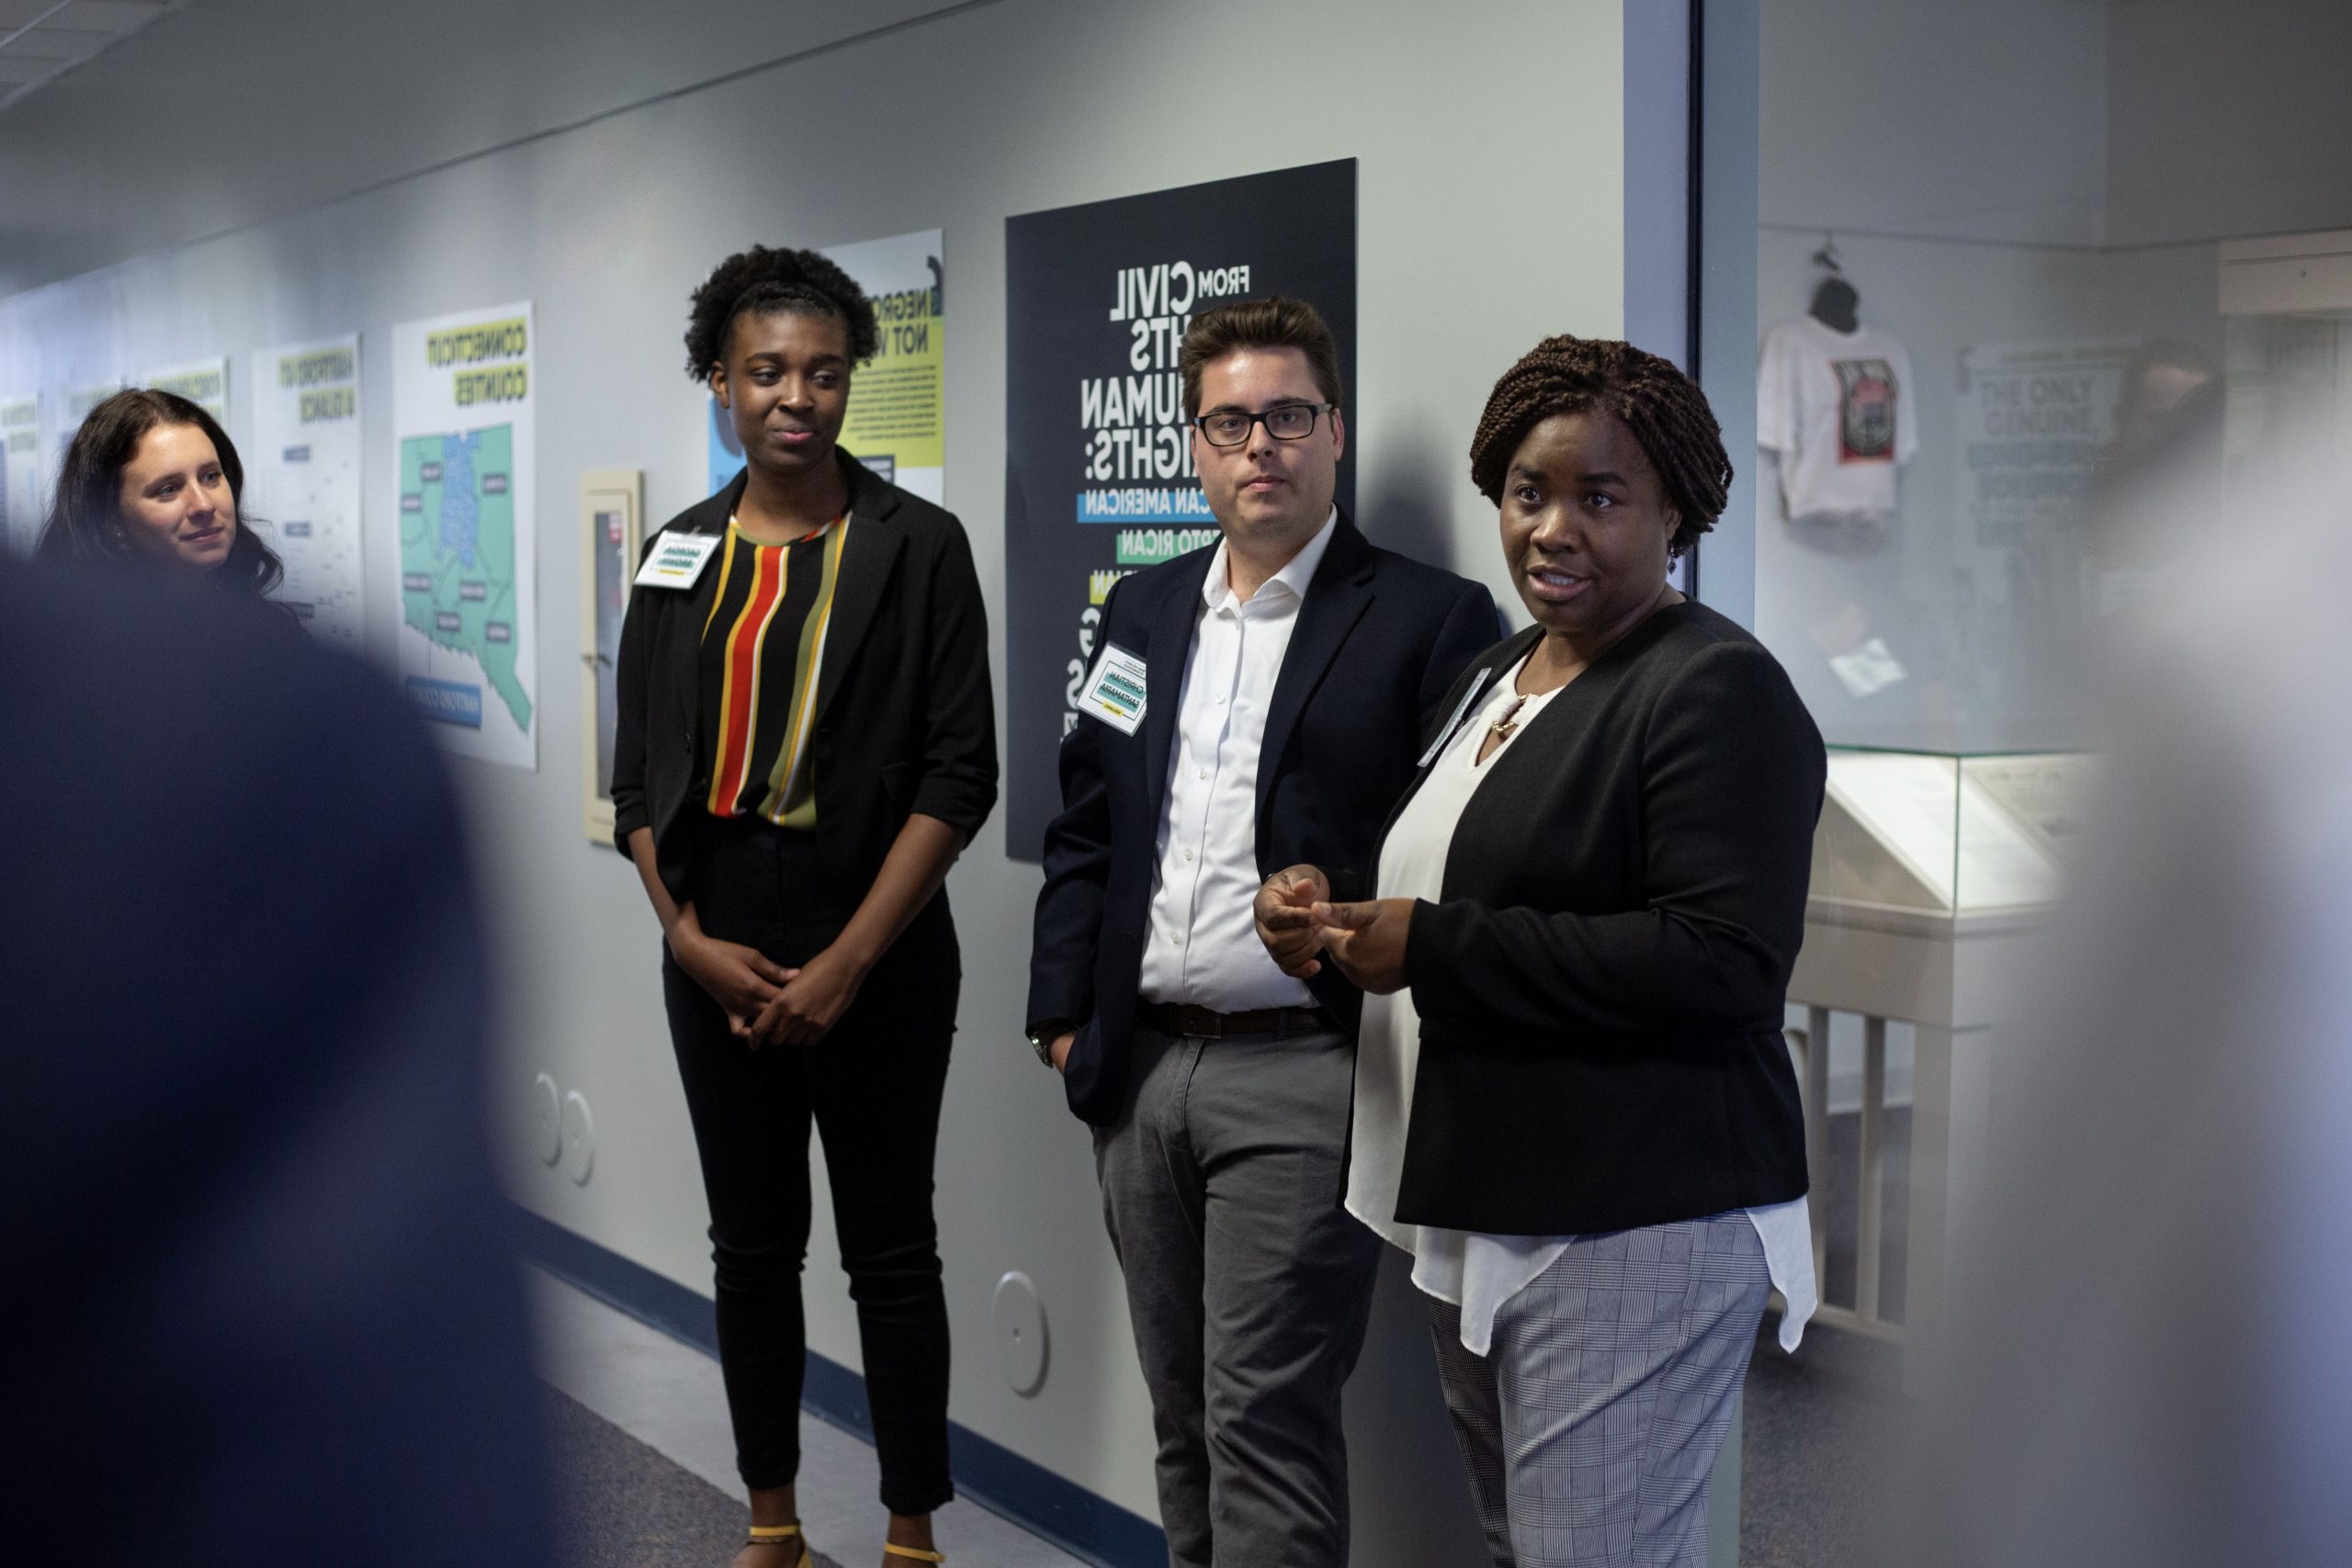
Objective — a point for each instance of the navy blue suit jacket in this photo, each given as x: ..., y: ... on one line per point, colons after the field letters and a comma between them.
x: 1379, y: 640
x: 256, y: 1265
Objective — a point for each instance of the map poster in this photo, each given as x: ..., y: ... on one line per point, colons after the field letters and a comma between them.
x: 204, y: 382
x: 23, y: 496
x: 466, y: 545
x: 1098, y: 472
x: 898, y: 399
x: 302, y: 481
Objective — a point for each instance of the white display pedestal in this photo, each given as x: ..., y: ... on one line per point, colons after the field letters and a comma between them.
x: 1958, y: 981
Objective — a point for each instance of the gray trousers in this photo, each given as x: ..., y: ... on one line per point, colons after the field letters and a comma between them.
x: 1248, y: 1284
x: 1590, y: 1428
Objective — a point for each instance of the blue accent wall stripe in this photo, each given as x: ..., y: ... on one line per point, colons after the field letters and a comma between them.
x: 1087, y: 1526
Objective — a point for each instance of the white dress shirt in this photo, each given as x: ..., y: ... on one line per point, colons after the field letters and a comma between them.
x: 1202, y: 947
x: 1472, y: 1270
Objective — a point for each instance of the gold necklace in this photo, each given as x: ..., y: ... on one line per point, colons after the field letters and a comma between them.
x: 1504, y: 726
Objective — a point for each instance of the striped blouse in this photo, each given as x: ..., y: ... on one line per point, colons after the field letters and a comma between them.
x: 762, y: 646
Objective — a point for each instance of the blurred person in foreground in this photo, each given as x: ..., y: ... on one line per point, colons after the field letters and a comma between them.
x: 2147, y: 1364
x: 258, y: 1304
x: 1574, y: 1107
x: 150, y: 480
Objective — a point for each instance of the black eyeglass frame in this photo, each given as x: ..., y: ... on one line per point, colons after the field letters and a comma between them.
x: 1314, y: 412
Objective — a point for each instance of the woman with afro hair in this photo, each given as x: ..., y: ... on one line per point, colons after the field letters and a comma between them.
x: 806, y: 743
x: 1574, y: 1107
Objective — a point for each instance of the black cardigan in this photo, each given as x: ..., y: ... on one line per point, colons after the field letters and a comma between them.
x: 1601, y: 985
x: 904, y: 719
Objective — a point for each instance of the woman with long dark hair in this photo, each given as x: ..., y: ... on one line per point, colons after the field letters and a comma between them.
x: 151, y: 478
x: 806, y: 742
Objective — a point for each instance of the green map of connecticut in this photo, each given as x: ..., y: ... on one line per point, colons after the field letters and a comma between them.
x: 457, y: 551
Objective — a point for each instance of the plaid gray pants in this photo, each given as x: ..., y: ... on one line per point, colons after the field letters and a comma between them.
x: 1591, y: 1428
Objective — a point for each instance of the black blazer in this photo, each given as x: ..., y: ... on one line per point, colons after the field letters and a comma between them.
x: 904, y: 719
x: 1601, y: 985
x: 1378, y: 639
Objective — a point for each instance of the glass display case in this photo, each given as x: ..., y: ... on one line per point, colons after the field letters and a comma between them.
x: 1947, y: 832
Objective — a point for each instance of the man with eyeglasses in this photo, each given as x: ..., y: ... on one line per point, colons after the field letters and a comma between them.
x: 1257, y: 704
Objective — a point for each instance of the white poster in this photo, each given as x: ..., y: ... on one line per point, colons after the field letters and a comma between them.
x: 898, y: 399
x: 79, y: 402
x: 2033, y: 421
x: 24, y: 497
x: 466, y: 550
x: 204, y: 382
x: 302, y: 479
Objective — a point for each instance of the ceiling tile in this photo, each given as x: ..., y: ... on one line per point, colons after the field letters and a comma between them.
x: 110, y: 16
x: 15, y: 14
x: 54, y: 44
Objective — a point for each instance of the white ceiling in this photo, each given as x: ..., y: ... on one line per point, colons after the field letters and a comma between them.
x: 42, y: 40
x: 231, y: 113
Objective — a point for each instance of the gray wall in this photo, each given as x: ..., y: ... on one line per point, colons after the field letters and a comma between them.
x: 2227, y: 120
x: 1491, y: 199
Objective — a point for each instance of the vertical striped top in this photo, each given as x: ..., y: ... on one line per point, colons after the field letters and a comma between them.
x: 763, y: 645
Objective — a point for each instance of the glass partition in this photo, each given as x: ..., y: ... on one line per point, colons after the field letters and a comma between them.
x: 2027, y: 272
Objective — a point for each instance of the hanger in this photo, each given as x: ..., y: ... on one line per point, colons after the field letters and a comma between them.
x: 1835, y: 300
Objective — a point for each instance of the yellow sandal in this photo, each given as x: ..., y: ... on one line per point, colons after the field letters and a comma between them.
x: 775, y: 1535
x: 917, y: 1552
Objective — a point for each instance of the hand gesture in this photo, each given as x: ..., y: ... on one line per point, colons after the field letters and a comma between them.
x: 813, y: 999
x: 740, y: 979
x: 1283, y: 911
x: 1367, y: 941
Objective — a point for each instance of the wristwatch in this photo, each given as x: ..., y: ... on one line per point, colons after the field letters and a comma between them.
x: 1042, y: 1035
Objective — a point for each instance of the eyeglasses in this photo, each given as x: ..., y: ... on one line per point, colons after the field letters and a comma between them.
x: 1284, y: 422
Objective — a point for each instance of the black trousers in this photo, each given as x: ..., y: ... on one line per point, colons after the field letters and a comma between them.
x: 873, y: 1087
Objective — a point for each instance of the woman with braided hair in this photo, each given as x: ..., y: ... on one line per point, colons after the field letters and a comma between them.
x: 806, y: 742
x: 1574, y: 1107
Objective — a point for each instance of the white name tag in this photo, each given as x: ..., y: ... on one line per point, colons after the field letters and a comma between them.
x: 1445, y: 734
x: 677, y: 560
x: 1115, y: 694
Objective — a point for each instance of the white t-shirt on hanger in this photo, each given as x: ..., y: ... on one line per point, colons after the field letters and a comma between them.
x: 1840, y: 410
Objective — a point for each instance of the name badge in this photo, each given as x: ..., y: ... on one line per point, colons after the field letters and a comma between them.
x: 1445, y: 734
x: 678, y: 560
x: 1115, y: 694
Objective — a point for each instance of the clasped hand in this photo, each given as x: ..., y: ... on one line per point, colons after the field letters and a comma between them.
x: 1301, y: 927
x: 765, y: 1003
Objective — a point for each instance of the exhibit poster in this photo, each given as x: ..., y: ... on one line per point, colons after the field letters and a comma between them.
x: 204, y: 382
x: 302, y: 481
x: 2034, y: 419
x: 897, y: 400
x: 466, y: 550
x: 78, y: 402
x: 24, y: 497
x: 1098, y: 476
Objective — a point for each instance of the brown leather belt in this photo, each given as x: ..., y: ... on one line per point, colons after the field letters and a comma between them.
x: 1183, y: 1017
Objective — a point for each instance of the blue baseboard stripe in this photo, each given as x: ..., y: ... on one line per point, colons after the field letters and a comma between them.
x: 1082, y: 1524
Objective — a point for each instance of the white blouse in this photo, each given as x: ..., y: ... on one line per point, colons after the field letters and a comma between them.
x: 1472, y: 1270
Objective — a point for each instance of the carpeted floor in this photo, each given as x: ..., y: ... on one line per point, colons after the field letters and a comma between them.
x: 1828, y: 1429
x: 623, y: 1505
x: 1826, y: 1433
